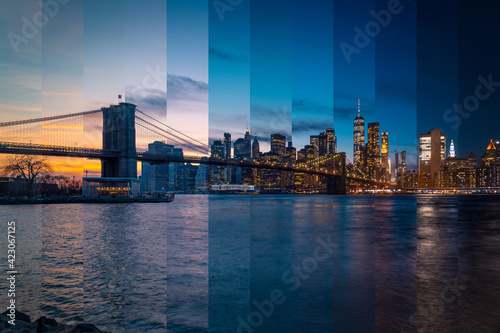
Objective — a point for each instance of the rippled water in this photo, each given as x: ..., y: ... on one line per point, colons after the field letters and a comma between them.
x: 217, y: 263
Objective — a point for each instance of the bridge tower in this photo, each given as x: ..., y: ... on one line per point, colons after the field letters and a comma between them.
x: 336, y: 184
x: 118, y: 134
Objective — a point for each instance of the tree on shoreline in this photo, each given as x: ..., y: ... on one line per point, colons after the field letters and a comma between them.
x: 29, y: 167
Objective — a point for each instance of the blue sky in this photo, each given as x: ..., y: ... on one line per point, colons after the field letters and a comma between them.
x: 271, y: 66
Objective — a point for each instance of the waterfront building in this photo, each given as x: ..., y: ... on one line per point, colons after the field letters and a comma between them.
x: 154, y: 177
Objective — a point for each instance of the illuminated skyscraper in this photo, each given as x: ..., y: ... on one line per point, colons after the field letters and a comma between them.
x: 332, y: 140
x: 310, y: 153
x: 452, y: 149
x: 301, y: 155
x: 314, y: 142
x: 278, y: 142
x: 432, y: 151
x: 373, y: 150
x: 291, y: 151
x: 491, y: 157
x: 359, y: 135
x: 217, y: 172
x: 384, y: 155
x: 218, y: 150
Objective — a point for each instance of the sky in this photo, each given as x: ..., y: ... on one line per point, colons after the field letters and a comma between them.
x: 281, y: 66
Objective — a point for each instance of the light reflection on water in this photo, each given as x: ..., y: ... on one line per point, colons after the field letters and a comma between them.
x: 200, y: 263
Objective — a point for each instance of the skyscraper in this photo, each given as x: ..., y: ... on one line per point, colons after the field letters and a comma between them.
x: 359, y: 135
x: 278, y: 144
x: 248, y: 144
x: 384, y: 155
x: 218, y: 149
x: 255, y: 148
x: 217, y: 173
x: 227, y: 155
x: 491, y: 157
x: 310, y: 152
x: 291, y: 151
x: 452, y: 150
x: 227, y: 146
x: 432, y: 151
x: 373, y: 149
x: 322, y: 144
x: 240, y: 149
x: 314, y: 141
x: 156, y: 176
x: 403, y: 160
x: 332, y: 140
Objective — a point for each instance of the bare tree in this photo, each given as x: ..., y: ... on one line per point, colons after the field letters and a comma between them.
x: 29, y: 167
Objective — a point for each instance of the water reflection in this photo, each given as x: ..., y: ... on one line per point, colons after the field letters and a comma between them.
x: 212, y: 263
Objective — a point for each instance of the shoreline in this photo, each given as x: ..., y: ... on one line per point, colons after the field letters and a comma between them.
x: 81, y: 200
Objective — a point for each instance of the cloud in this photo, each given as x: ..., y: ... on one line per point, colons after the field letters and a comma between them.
x: 239, y: 58
x: 311, y: 126
x: 180, y: 89
x: 345, y: 112
x: 185, y: 88
x: 152, y: 100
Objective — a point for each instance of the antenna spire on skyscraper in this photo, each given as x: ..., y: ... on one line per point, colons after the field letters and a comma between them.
x: 359, y: 107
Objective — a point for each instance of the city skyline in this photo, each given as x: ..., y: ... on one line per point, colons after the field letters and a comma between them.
x: 226, y: 68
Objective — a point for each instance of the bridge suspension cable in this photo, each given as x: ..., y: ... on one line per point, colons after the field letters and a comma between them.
x: 173, y: 129
x: 38, y: 120
x: 165, y: 136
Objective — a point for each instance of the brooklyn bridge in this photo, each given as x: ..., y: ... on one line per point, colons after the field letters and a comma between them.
x: 117, y: 136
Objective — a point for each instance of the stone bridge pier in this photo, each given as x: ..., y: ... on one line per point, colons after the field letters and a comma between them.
x: 336, y: 184
x: 118, y: 134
